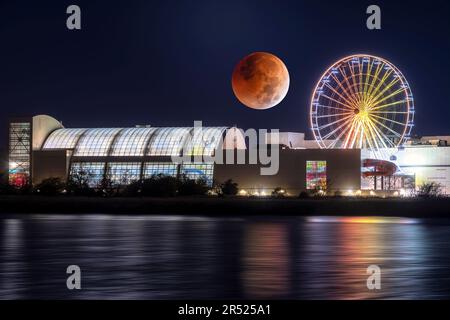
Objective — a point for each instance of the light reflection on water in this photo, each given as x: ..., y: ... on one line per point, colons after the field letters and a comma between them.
x: 175, y: 257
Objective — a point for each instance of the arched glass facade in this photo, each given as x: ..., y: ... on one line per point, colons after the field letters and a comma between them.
x: 63, y: 139
x: 124, y: 155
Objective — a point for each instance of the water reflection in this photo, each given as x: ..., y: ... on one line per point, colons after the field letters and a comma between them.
x: 266, y: 261
x: 172, y: 257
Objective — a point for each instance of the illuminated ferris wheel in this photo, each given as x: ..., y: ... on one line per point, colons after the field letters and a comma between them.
x: 363, y: 102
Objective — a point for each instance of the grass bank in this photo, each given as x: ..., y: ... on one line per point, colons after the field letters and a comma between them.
x: 416, y: 208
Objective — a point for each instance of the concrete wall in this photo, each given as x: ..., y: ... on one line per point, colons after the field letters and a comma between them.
x: 343, y: 171
x: 49, y: 164
x: 42, y: 127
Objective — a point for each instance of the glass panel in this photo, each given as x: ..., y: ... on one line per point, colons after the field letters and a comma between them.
x: 93, y: 172
x: 205, y: 141
x: 96, y: 142
x: 155, y: 168
x: 123, y: 173
x: 316, y: 175
x: 168, y: 141
x: 19, y: 153
x: 63, y: 139
x: 132, y: 142
x: 198, y: 170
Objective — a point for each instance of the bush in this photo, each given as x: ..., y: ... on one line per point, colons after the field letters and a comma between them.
x: 7, y: 189
x: 133, y: 189
x: 304, y: 195
x: 159, y: 186
x: 106, y: 188
x: 278, y: 193
x: 79, y: 184
x: 338, y: 194
x: 50, y: 187
x: 430, y: 190
x: 229, y: 188
x: 190, y: 187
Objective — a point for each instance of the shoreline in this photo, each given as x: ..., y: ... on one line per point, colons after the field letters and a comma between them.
x: 227, y: 207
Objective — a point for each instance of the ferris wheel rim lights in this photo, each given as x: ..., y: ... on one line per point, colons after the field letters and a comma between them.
x: 358, y: 96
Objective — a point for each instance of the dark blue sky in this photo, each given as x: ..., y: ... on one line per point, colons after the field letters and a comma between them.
x: 170, y: 62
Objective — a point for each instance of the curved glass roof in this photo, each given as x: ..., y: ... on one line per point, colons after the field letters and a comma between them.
x: 96, y: 142
x: 132, y: 142
x: 63, y: 139
x: 136, y: 142
x: 205, y: 141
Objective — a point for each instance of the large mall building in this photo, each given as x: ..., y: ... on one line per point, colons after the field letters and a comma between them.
x: 40, y: 147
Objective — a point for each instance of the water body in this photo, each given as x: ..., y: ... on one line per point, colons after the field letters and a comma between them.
x: 172, y: 257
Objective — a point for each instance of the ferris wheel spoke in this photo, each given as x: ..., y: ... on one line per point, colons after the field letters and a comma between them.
x: 348, y: 95
x: 376, y: 103
x: 339, y: 102
x: 355, y: 135
x: 349, y: 103
x: 374, y: 79
x: 389, y: 129
x: 347, y: 127
x: 350, y: 134
x: 333, y: 123
x: 390, y: 120
x: 334, y: 115
x: 382, y: 82
x: 383, y: 137
x: 354, y: 93
x: 329, y: 107
x: 355, y: 82
x: 370, y: 137
x: 367, y: 81
x: 361, y: 80
x: 361, y: 137
x: 380, y: 135
x: 388, y: 105
x: 389, y: 112
x: 337, y: 129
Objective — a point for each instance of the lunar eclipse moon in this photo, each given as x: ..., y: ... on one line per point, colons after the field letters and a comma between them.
x: 260, y: 81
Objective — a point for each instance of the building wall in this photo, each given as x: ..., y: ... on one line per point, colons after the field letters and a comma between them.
x: 428, y: 163
x: 343, y: 171
x: 42, y: 126
x: 49, y: 164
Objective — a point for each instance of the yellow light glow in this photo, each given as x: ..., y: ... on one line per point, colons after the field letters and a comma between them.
x: 243, y: 193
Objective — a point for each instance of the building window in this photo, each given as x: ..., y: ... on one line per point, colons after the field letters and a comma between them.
x: 123, y: 173
x: 156, y: 168
x: 19, y: 153
x: 196, y: 171
x: 316, y: 175
x: 91, y: 173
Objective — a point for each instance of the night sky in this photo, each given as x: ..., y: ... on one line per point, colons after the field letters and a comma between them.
x: 168, y: 63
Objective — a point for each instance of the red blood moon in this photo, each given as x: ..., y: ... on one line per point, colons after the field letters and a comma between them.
x: 260, y: 81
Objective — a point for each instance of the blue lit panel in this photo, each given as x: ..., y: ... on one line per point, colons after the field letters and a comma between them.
x: 156, y: 168
x: 123, y: 173
x: 91, y: 172
x: 196, y: 171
